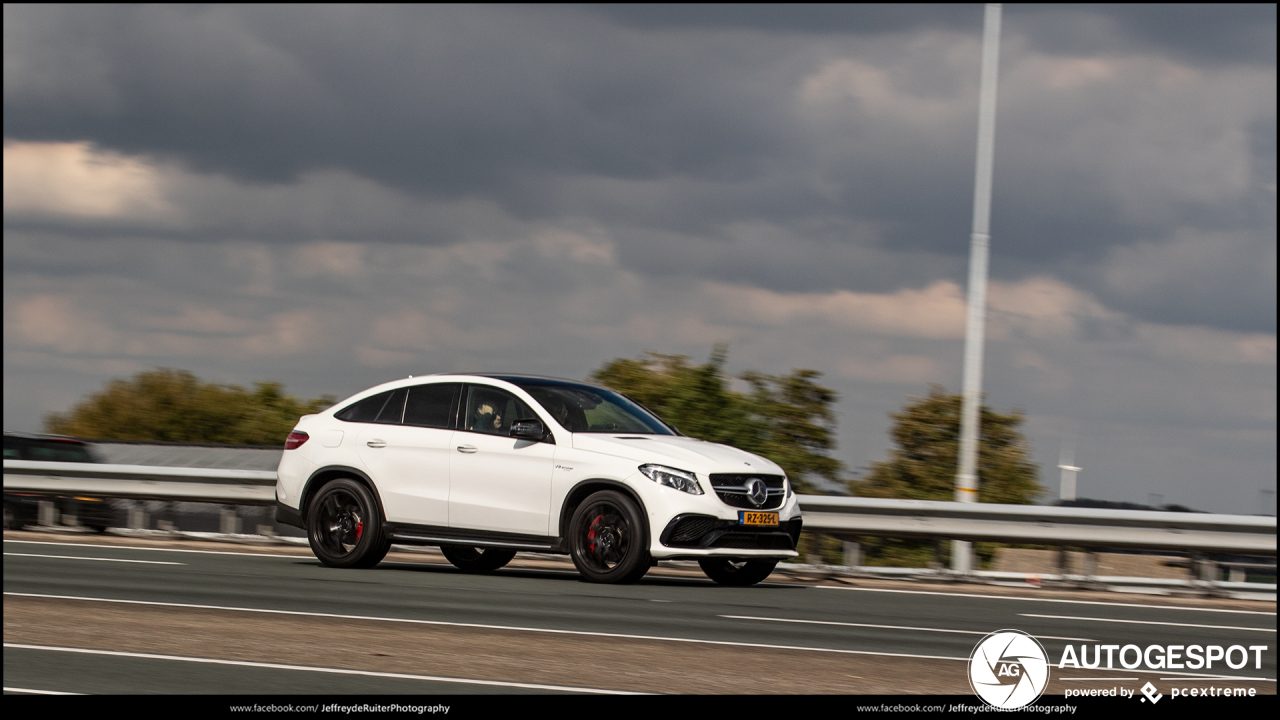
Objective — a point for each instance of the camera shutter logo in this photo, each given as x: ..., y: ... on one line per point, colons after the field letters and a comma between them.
x: 1008, y: 669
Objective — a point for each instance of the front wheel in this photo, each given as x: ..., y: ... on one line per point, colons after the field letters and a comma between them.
x: 476, y: 560
x: 344, y: 526
x: 737, y: 573
x: 608, y: 539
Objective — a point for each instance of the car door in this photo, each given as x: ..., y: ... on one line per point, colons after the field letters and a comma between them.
x: 497, y: 482
x: 407, y: 451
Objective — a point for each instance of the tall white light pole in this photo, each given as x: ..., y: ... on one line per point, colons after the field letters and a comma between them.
x: 966, y: 475
x: 1066, y: 463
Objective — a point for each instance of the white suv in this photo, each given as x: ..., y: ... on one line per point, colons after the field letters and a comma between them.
x: 487, y: 465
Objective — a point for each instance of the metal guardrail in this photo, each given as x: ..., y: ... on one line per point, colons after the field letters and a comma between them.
x: 841, y: 516
x: 1043, y: 525
x: 142, y: 482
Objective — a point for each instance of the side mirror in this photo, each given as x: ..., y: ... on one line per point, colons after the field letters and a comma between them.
x: 528, y: 429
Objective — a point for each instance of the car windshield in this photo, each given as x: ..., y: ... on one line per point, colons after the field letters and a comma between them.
x: 583, y: 408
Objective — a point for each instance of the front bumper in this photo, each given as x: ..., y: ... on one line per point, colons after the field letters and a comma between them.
x: 706, y: 535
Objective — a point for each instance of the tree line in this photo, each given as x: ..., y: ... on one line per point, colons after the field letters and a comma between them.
x: 786, y: 418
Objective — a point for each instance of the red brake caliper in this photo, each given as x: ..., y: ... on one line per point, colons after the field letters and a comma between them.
x: 591, y: 535
x: 359, y: 529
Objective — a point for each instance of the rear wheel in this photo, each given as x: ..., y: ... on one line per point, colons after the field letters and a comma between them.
x: 344, y: 526
x: 608, y: 539
x: 737, y: 573
x: 477, y: 560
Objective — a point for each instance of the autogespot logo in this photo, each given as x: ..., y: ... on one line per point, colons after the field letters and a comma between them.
x: 1008, y: 669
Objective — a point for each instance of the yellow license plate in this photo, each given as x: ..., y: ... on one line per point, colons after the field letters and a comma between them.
x: 757, y: 518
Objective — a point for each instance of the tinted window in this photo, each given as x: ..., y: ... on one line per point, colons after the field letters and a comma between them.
x: 491, y: 411
x: 431, y: 405
x: 58, y: 451
x: 584, y: 408
x: 393, y: 412
x: 365, y: 410
x: 12, y: 449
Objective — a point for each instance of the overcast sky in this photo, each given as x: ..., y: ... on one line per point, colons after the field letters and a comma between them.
x: 333, y: 197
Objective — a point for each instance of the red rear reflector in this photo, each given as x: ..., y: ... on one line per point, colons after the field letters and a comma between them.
x: 296, y: 438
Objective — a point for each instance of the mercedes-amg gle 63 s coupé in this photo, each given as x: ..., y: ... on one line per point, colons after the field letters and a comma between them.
x: 484, y: 466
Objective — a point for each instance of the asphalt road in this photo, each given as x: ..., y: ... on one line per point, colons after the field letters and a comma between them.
x: 82, y: 617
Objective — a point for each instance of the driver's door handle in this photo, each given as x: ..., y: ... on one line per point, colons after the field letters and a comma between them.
x: 467, y: 448
x: 377, y: 443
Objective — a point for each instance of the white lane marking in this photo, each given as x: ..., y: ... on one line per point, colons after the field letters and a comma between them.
x: 820, y: 587
x: 156, y: 549
x: 1053, y: 600
x: 73, y: 557
x: 29, y: 691
x: 1150, y: 622
x: 891, y: 627
x: 480, y: 626
x: 309, y: 668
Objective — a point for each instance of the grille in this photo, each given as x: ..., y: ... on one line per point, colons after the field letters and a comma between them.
x: 689, y: 529
x: 704, y: 531
x: 731, y: 488
x: 719, y: 480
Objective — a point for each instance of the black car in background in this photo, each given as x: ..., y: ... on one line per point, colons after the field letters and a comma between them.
x: 23, y: 508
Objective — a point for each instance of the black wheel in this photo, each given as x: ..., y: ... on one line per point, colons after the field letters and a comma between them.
x: 344, y: 526
x: 609, y: 539
x: 738, y: 573
x: 477, y: 560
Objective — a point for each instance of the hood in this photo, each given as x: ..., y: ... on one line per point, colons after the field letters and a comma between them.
x: 684, y: 453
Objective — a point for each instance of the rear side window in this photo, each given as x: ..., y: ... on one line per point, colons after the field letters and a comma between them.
x: 393, y: 412
x: 386, y: 407
x: 431, y: 405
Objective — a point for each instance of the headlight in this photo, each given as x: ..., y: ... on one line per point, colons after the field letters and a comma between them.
x: 672, y: 478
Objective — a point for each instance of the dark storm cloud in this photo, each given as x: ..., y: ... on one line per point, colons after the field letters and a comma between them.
x: 1200, y: 32
x: 1215, y: 33
x: 804, y: 18
x: 446, y: 100
x: 673, y: 127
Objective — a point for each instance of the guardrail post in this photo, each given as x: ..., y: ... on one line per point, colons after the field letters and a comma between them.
x: 852, y: 554
x: 1089, y: 568
x: 137, y: 516
x: 1205, y: 569
x: 229, y: 522
x: 46, y: 512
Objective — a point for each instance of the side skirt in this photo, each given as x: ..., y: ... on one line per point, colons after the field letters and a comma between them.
x: 409, y: 534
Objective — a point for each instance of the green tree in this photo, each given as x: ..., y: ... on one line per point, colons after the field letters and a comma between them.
x: 922, y: 466
x: 786, y: 418
x: 174, y: 406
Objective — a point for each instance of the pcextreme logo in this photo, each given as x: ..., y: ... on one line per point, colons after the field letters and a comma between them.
x: 1008, y: 669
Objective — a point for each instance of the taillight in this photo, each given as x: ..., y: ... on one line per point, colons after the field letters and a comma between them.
x: 295, y: 440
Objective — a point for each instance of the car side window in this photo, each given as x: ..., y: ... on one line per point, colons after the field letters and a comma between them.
x: 491, y: 410
x: 58, y: 451
x: 387, y: 407
x: 431, y: 405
